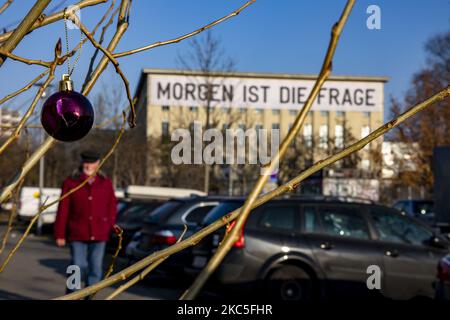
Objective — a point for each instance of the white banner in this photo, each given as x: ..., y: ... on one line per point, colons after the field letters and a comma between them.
x: 355, y: 188
x: 176, y: 90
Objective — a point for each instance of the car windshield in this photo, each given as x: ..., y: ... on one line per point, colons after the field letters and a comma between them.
x: 136, y: 211
x: 162, y: 212
x: 423, y: 207
x: 221, y: 210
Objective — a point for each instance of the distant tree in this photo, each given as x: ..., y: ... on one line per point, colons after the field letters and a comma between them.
x: 429, y: 130
x: 207, y: 55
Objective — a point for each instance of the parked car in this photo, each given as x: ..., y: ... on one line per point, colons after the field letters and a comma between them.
x: 164, y: 226
x: 300, y: 249
x: 443, y: 282
x: 130, y: 217
x: 198, y: 261
x: 137, y: 203
x: 420, y: 209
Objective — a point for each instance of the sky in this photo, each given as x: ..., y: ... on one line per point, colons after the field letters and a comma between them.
x: 279, y: 36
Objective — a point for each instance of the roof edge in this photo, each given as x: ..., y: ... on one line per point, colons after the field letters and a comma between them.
x: 264, y: 75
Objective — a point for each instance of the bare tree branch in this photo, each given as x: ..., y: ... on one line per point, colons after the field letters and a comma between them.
x: 143, y: 274
x: 188, y: 35
x: 53, y: 18
x: 16, y: 200
x: 108, y: 54
x: 28, y: 86
x: 232, y: 236
x: 24, y: 60
x: 287, y: 187
x: 50, y: 142
x: 23, y: 28
x: 46, y: 206
x: 5, y: 6
x: 102, y: 36
x: 38, y: 96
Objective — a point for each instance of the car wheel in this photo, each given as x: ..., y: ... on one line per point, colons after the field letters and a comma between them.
x: 289, y: 283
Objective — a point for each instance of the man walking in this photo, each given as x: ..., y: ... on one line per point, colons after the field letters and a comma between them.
x: 86, y: 217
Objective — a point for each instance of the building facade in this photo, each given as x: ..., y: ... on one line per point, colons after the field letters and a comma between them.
x: 8, y: 120
x: 346, y: 109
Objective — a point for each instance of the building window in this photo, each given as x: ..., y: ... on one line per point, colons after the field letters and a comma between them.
x: 259, y: 110
x: 275, y: 111
x: 324, y: 113
x: 242, y: 126
x: 308, y: 134
x: 275, y: 126
x: 339, y: 136
x: 366, y: 114
x: 242, y: 110
x: 365, y: 164
x: 165, y: 129
x: 340, y: 114
x: 365, y: 131
x: 165, y: 108
x: 293, y: 112
x: 323, y: 136
x: 258, y: 127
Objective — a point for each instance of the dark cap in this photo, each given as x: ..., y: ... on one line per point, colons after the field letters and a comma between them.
x: 89, y: 156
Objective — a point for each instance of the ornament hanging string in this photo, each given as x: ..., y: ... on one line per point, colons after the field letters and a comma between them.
x: 68, y: 115
x: 70, y: 70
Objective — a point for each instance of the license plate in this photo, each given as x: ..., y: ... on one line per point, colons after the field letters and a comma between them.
x: 199, y: 262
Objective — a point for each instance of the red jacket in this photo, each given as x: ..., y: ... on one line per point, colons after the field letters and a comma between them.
x: 89, y: 213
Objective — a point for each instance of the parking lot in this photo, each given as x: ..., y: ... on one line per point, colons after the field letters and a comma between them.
x: 37, y: 271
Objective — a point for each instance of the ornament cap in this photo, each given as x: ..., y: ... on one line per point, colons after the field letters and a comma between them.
x: 66, y: 83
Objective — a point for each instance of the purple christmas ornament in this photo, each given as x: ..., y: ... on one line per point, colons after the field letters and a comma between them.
x: 67, y: 115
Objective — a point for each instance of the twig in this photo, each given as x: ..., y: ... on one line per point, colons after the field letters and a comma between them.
x: 102, y: 36
x: 5, y: 5
x: 50, y: 142
x: 287, y: 187
x: 46, y: 64
x: 188, y: 35
x: 52, y: 18
x: 28, y: 86
x: 231, y: 237
x: 38, y: 96
x: 115, y: 63
x: 114, y: 257
x: 23, y: 28
x: 46, y: 206
x: 143, y: 274
x: 11, y: 217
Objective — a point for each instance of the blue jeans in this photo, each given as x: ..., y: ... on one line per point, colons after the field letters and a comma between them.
x: 88, y: 256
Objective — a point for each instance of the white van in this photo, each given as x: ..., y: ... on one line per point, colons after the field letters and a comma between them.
x: 29, y: 203
x: 159, y: 193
